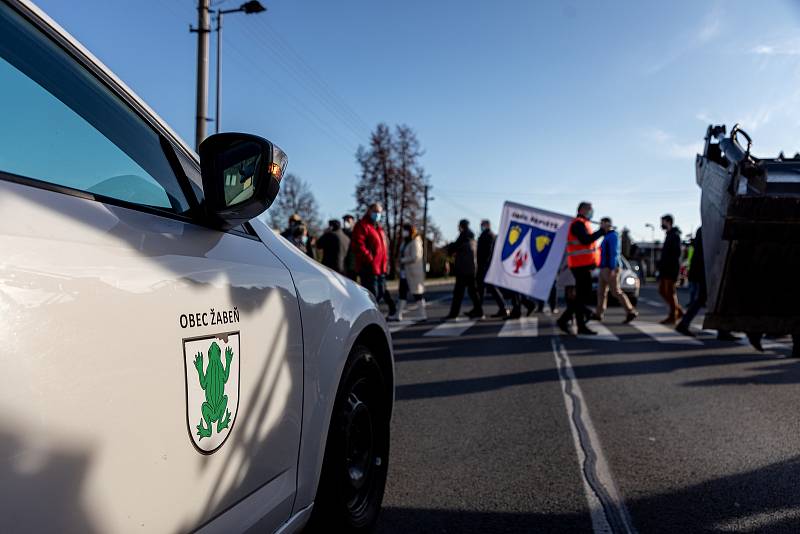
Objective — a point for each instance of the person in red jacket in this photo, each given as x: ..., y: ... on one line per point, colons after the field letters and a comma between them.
x: 369, y: 244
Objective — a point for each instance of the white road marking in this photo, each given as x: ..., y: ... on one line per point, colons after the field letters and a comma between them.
x: 664, y: 334
x: 603, y: 333
x: 522, y: 327
x: 606, y: 508
x: 396, y: 326
x: 651, y: 302
x: 451, y: 328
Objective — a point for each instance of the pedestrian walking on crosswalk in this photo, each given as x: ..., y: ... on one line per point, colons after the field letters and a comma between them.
x: 485, y: 248
x: 608, y: 278
x: 412, y: 273
x: 668, y: 269
x: 582, y: 252
x: 464, y: 249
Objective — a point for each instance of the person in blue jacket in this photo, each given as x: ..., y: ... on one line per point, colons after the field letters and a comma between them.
x: 608, y: 277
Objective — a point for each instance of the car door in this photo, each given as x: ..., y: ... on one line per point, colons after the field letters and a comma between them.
x: 153, y: 366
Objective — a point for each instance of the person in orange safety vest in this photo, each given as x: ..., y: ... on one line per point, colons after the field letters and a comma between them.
x: 582, y: 257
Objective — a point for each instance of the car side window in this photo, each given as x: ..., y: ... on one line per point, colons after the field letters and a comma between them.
x: 63, y: 126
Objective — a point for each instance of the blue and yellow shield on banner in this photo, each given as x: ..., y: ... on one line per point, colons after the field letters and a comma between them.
x: 525, y: 249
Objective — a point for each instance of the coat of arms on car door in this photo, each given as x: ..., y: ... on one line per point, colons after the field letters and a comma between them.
x: 212, y: 388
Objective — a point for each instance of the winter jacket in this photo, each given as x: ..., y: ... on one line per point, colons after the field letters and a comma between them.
x: 464, y: 249
x: 485, y: 246
x: 609, y: 250
x: 369, y: 246
x: 334, y: 245
x: 411, y: 265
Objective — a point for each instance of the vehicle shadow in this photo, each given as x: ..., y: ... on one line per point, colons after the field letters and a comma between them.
x: 584, y: 371
x: 786, y: 372
x: 764, y: 499
x: 399, y: 520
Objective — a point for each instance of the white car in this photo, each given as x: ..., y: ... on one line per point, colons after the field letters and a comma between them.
x: 170, y: 364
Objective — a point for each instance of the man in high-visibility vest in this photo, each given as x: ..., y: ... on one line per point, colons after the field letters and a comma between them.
x: 582, y: 256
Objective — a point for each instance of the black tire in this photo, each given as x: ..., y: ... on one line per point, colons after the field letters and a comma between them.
x: 356, y: 459
x: 634, y: 299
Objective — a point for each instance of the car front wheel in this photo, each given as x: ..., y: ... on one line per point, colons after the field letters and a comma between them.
x: 357, y: 450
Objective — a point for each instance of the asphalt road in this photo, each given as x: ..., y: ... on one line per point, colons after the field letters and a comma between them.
x: 638, y: 430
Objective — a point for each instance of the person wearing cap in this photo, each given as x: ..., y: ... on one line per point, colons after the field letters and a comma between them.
x: 464, y: 249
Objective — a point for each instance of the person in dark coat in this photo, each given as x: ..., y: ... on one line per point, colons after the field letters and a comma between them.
x: 465, y: 250
x: 697, y: 276
x: 334, y: 245
x: 485, y: 248
x: 348, y: 222
x: 668, y: 269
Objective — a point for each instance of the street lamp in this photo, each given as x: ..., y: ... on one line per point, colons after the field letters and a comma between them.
x: 248, y: 8
x: 652, y: 246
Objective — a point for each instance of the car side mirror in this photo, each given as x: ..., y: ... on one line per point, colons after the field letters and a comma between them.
x: 241, y: 177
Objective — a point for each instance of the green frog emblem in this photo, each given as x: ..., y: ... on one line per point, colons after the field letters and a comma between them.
x: 215, y: 408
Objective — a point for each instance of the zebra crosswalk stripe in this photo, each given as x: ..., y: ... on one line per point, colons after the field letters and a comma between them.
x: 664, y: 334
x: 603, y: 333
x: 399, y: 325
x: 451, y: 328
x: 522, y: 327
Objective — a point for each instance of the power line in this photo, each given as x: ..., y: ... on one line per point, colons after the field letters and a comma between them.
x: 314, y: 87
x: 313, y: 73
x: 293, y: 101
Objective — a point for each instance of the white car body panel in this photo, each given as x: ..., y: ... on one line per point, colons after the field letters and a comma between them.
x: 91, y: 297
x: 94, y: 431
x: 335, y: 313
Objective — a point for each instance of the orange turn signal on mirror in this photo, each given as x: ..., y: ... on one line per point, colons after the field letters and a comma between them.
x: 276, y: 171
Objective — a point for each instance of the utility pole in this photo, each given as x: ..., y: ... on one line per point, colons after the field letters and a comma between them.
x: 248, y: 8
x: 219, y: 70
x: 425, y: 231
x: 202, y: 30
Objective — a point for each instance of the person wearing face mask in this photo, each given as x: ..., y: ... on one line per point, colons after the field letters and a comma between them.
x: 371, y: 254
x: 582, y: 257
x: 299, y: 237
x: 348, y: 221
x: 668, y: 269
x: 412, y: 272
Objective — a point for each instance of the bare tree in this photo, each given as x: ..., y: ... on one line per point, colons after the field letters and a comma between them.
x: 295, y: 197
x: 392, y: 175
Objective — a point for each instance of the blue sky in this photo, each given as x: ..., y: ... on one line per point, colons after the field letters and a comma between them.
x: 543, y: 103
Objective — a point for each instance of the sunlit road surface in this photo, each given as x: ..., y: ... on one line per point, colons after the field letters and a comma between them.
x: 514, y: 428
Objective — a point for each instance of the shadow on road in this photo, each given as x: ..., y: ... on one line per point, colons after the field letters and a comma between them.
x: 669, y: 364
x: 419, y: 520
x: 760, y: 500
x: 786, y: 372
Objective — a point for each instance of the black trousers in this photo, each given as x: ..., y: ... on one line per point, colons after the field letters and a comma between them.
x: 464, y: 281
x: 376, y: 284
x: 484, y: 288
x: 583, y: 293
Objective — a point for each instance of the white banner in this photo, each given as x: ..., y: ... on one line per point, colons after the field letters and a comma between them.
x: 528, y: 251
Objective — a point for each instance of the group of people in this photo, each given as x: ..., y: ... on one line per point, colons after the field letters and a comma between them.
x: 360, y: 251
x: 582, y: 256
